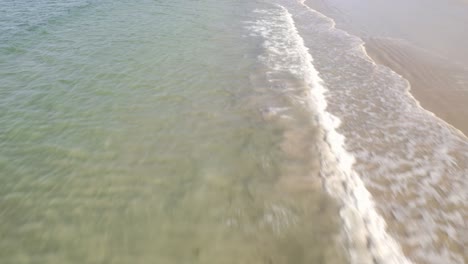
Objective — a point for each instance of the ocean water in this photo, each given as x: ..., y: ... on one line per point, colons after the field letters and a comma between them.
x: 215, y: 132
x: 146, y: 132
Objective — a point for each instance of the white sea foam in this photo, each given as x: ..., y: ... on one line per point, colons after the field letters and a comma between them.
x: 364, y: 228
x: 414, y: 163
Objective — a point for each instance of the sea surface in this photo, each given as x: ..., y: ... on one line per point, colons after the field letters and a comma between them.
x: 215, y: 131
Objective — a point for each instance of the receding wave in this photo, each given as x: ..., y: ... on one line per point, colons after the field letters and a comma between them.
x: 441, y: 84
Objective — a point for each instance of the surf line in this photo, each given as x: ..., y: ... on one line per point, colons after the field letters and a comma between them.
x: 364, y: 229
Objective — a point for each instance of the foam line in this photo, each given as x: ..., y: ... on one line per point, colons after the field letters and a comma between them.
x: 364, y: 229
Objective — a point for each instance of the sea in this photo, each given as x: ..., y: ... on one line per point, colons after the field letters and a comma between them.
x: 215, y: 131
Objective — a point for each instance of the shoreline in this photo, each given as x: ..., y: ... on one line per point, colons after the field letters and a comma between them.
x: 435, y: 62
x: 439, y: 86
x: 406, y: 132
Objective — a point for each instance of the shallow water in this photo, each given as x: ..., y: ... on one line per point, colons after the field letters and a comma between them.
x: 152, y: 131
x: 215, y: 132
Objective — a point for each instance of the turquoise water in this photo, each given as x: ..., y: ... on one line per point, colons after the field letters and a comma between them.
x: 147, y: 132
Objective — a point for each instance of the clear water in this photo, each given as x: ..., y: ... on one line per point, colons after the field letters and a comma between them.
x: 215, y: 131
x: 148, y: 132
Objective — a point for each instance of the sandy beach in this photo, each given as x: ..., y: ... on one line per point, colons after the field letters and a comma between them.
x: 425, y: 42
x: 439, y: 85
x: 427, y: 49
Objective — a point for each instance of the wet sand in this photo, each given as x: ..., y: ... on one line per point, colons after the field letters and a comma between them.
x: 424, y: 41
x: 438, y: 84
x: 415, y: 173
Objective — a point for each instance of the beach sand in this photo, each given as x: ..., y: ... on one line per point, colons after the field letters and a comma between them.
x: 439, y: 85
x: 423, y: 41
